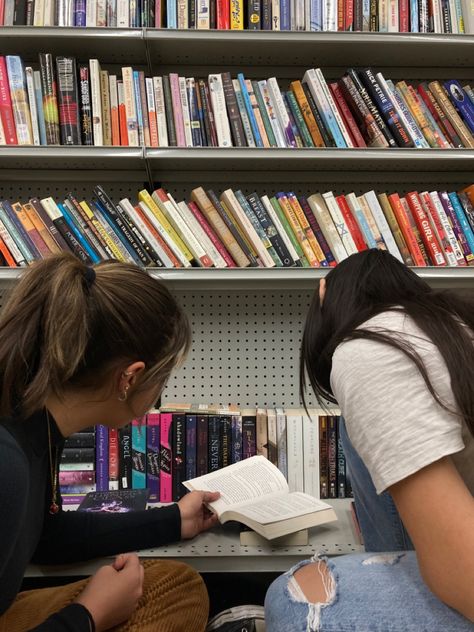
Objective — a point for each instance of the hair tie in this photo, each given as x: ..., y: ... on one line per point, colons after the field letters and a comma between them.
x: 89, y: 276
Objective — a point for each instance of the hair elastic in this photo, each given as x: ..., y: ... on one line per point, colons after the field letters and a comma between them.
x: 89, y: 275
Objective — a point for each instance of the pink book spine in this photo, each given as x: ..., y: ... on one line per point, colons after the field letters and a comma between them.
x: 346, y: 114
x: 212, y: 235
x: 6, y: 111
x: 177, y: 109
x: 2, y: 11
x: 166, y: 490
x: 158, y: 14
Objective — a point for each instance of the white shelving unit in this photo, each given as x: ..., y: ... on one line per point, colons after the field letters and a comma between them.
x: 247, y: 323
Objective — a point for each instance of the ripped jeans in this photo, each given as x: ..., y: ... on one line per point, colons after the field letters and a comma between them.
x: 367, y: 592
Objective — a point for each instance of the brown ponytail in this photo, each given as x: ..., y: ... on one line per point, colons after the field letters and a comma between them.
x: 64, y: 327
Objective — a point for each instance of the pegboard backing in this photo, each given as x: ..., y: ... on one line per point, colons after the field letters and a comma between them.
x: 26, y: 189
x: 245, y: 348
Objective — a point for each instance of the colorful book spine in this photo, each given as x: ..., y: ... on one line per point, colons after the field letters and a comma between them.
x: 102, y: 458
x: 139, y: 438
x: 166, y: 457
x: 19, y: 99
x: 125, y: 464
x: 153, y: 456
x: 191, y: 446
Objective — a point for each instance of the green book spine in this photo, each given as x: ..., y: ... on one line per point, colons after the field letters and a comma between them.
x: 264, y: 113
x: 289, y: 231
x: 300, y: 122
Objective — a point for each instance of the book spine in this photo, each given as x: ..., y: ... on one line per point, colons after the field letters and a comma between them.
x: 153, y: 456
x: 194, y: 118
x: 125, y: 458
x: 269, y: 229
x: 106, y: 109
x: 218, y: 101
x: 213, y: 437
x: 202, y: 445
x: 139, y: 433
x: 113, y: 459
x: 19, y: 98
x: 243, y: 113
x: 313, y: 80
x: 457, y: 227
x: 30, y: 86
x: 249, y: 436
x: 250, y: 113
x: 233, y: 111
x: 357, y: 138
x: 294, y: 429
x: 465, y: 226
x: 68, y: 101
x: 404, y: 223
x: 160, y: 112
x: 278, y: 105
x: 96, y: 102
x: 237, y: 14
x: 456, y: 121
x: 236, y: 438
x: 85, y: 106
x: 448, y: 228
x: 191, y: 447
x: 461, y: 102
x: 6, y: 111
x: 424, y: 227
x: 225, y: 430
x: 166, y: 457
x: 102, y: 458
x: 311, y: 455
x: 438, y: 228
x: 382, y: 224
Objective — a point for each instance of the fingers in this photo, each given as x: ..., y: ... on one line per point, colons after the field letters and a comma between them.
x: 128, y: 560
x: 209, y: 522
x: 209, y: 497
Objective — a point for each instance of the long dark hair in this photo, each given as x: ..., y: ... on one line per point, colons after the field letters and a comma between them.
x: 371, y: 282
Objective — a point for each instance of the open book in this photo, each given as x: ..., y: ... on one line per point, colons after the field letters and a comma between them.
x: 255, y: 492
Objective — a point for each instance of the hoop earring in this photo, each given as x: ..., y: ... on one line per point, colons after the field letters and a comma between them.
x: 123, y: 396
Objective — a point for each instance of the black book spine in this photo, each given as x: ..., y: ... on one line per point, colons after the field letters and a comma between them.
x: 205, y: 112
x: 231, y: 226
x: 68, y: 104
x: 210, y: 114
x: 179, y: 456
x: 172, y: 140
x: 85, y: 106
x: 386, y: 108
x: 446, y: 14
x: 30, y: 12
x: 212, y: 14
x: 115, y: 216
x: 226, y: 440
x: 19, y: 15
x: 467, y: 207
x: 358, y: 15
x: 192, y: 14
x: 323, y: 457
x: 327, y: 137
x: 267, y: 15
x: 147, y: 247
x: 332, y: 457
x: 202, y: 445
x: 88, y: 228
x: 270, y: 230
x: 125, y: 457
x: 341, y: 465
x: 213, y: 437
x: 249, y: 436
x: 233, y: 111
x: 194, y: 112
x: 374, y: 16
x: 48, y: 222
x: 74, y: 245
x: 80, y: 440
x: 371, y: 107
x: 254, y: 17
x: 78, y: 455
x: 50, y: 101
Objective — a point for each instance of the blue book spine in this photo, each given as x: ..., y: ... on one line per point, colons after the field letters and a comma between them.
x: 465, y: 226
x: 316, y: 15
x: 20, y: 235
x: 285, y: 15
x: 138, y: 104
x: 456, y: 225
x: 194, y: 113
x: 248, y: 107
x: 153, y: 456
x: 102, y: 459
x: 191, y: 446
x: 171, y: 14
x: 461, y: 102
x: 104, y: 214
x: 414, y: 21
x: 80, y: 13
x: 293, y: 134
x: 236, y: 454
x: 138, y: 455
x: 39, y: 107
x: 78, y: 233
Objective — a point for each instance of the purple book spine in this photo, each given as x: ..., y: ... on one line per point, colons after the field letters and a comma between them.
x: 191, y: 446
x: 236, y: 453
x: 457, y: 228
x: 102, y: 459
x: 153, y: 456
x: 80, y: 13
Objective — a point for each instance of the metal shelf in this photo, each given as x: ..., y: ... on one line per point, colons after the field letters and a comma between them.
x: 220, y: 550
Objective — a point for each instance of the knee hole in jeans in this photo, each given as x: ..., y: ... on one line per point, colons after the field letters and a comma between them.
x: 313, y: 583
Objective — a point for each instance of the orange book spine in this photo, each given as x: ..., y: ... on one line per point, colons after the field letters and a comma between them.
x: 406, y: 229
x: 122, y: 114
x: 307, y: 113
x: 469, y: 191
x: 308, y: 231
x: 41, y: 227
x: 424, y: 227
x: 7, y: 254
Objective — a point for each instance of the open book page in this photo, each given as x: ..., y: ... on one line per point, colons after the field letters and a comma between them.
x: 241, y: 483
x: 282, y: 507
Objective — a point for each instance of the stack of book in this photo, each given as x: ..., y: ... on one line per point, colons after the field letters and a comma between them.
x: 72, y: 104
x: 424, y: 228
x: 415, y: 16
x: 179, y: 443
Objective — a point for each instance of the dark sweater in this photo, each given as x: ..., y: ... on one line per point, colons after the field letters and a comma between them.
x: 29, y: 533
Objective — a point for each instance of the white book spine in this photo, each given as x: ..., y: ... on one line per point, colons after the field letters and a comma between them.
x: 96, y: 101
x: 203, y: 14
x: 311, y: 454
x: 381, y: 221
x: 3, y: 140
x: 51, y: 208
x: 11, y: 244
x: 383, y: 16
x: 281, y: 442
x: 453, y: 17
x: 145, y: 231
x: 446, y: 224
x: 197, y: 229
x: 219, y: 108
x: 185, y: 231
x: 468, y: 15
x: 294, y: 437
x: 130, y: 106
x: 437, y: 16
x: 160, y: 112
x: 299, y: 15
x: 393, y: 25
x: 272, y: 430
x: 282, y: 114
x: 61, y: 11
x: 30, y: 86
x: 278, y: 132
x: 185, y: 107
x: 113, y: 92
x: 123, y: 17
x: 333, y: 107
x: 112, y: 13
x: 369, y: 218
x: 307, y: 15
x: 182, y: 8
x: 275, y: 15
x: 164, y: 235
x: 49, y: 12
x: 101, y: 17
x: 321, y: 213
x: 91, y: 13
x: 329, y: 8
x: 150, y: 99
x: 9, y: 14
x: 340, y: 223
x: 279, y: 226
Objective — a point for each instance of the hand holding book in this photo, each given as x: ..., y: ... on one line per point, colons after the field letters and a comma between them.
x: 195, y: 516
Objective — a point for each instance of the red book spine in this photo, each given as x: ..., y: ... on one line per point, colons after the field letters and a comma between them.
x: 211, y: 234
x: 405, y: 227
x: 344, y: 111
x: 6, y: 111
x: 2, y: 11
x: 158, y: 14
x: 443, y: 240
x: 340, y: 15
x: 113, y: 459
x: 445, y: 124
x: 423, y: 223
x: 403, y: 16
x: 7, y: 254
x: 348, y: 15
x: 351, y: 223
x: 223, y: 15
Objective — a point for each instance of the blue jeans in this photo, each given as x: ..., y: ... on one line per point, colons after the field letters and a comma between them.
x: 366, y: 592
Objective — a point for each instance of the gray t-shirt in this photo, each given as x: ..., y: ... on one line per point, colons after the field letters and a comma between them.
x: 392, y: 420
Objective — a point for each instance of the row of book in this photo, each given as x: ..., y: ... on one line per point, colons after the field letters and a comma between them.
x: 415, y: 16
x: 72, y: 104
x: 164, y: 449
x: 427, y: 228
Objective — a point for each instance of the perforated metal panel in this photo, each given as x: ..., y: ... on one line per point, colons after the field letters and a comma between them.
x: 245, y: 348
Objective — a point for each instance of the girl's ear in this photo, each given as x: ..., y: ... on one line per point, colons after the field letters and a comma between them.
x: 129, y: 375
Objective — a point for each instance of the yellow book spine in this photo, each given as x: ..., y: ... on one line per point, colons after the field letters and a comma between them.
x: 102, y: 232
x: 298, y: 231
x: 308, y: 231
x: 146, y: 198
x: 418, y: 115
x: 237, y: 15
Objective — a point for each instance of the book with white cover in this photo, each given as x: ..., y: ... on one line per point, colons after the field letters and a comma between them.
x: 294, y: 445
x: 201, y: 235
x: 322, y: 215
x: 381, y: 221
x: 130, y: 106
x: 160, y: 111
x: 30, y: 86
x: 339, y: 223
x: 311, y: 453
x: 216, y: 89
x: 185, y: 107
x: 255, y: 492
x: 96, y: 102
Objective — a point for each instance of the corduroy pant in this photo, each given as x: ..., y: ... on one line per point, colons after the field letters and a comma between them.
x: 174, y: 600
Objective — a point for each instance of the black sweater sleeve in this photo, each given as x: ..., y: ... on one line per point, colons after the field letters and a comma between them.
x: 73, y: 536
x: 72, y: 618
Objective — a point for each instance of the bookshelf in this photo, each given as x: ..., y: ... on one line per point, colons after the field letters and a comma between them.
x: 246, y: 323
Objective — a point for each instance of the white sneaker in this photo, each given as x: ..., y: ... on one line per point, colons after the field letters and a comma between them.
x: 238, y: 619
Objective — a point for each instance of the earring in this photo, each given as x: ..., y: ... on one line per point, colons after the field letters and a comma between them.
x: 123, y: 396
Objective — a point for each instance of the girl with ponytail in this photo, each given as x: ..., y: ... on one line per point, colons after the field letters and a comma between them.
x: 82, y: 346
